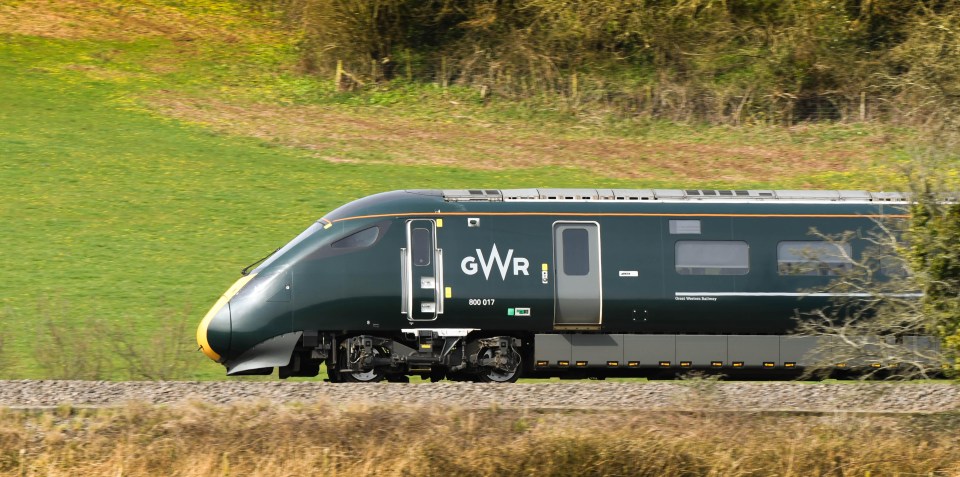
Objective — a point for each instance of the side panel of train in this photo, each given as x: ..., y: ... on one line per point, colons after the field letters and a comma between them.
x: 628, y: 274
x: 603, y: 295
x: 610, y: 274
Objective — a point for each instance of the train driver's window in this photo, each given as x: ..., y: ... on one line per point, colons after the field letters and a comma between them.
x: 813, y: 258
x: 720, y: 257
x: 363, y: 238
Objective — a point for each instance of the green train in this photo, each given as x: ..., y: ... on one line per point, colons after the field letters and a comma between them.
x: 490, y: 285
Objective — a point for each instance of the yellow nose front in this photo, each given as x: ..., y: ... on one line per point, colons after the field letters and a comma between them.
x: 218, y: 308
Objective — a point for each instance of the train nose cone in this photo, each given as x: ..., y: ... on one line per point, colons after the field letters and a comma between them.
x: 213, y: 334
x: 218, y: 333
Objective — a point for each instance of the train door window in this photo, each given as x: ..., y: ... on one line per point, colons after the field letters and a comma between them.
x: 363, y: 238
x: 421, y: 245
x: 813, y: 258
x: 576, y: 252
x: 721, y: 257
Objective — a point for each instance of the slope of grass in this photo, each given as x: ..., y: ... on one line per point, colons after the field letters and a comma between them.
x: 143, y: 169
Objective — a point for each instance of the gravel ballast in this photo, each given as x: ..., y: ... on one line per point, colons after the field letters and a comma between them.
x: 656, y: 396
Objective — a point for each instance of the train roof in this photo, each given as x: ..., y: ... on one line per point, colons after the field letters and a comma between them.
x: 523, y: 195
x: 560, y: 201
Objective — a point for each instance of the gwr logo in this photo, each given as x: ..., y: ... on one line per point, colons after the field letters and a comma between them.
x: 470, y: 267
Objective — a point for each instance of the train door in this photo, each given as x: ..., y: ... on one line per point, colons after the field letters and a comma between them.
x: 576, y: 264
x: 422, y: 270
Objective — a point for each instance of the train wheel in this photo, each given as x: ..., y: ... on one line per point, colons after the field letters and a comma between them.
x: 372, y: 376
x: 496, y: 375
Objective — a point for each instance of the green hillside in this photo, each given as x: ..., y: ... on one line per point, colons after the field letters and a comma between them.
x: 149, y: 150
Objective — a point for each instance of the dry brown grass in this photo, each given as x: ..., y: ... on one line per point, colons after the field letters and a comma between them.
x: 460, y: 141
x: 262, y: 439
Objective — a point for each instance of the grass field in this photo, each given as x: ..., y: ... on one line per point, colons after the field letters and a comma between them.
x: 142, y: 169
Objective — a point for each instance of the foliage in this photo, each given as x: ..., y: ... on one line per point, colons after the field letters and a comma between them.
x: 924, y: 68
x: 731, y: 62
x: 934, y: 254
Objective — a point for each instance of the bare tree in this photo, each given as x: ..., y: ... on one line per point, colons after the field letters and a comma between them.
x: 167, y: 354
x: 897, y: 308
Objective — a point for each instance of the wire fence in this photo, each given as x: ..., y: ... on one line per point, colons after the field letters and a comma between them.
x: 663, y: 100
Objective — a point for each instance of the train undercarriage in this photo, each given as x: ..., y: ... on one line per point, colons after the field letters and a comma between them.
x: 430, y: 354
x: 471, y: 355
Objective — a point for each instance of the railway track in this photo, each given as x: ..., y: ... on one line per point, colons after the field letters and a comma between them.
x: 692, y: 396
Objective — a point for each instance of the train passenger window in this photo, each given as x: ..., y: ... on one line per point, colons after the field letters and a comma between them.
x: 421, y: 245
x: 363, y: 238
x: 894, y: 266
x: 721, y: 257
x: 576, y: 252
x: 684, y: 227
x: 813, y: 258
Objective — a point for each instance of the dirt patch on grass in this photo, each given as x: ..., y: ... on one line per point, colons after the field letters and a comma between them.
x: 379, y: 136
x: 119, y: 20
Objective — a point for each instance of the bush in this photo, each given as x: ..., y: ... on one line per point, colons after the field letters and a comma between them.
x: 933, y: 248
x: 729, y: 62
x: 69, y: 350
x: 95, y: 349
x: 169, y: 353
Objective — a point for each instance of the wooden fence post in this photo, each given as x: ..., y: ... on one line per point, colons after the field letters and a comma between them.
x: 863, y: 106
x: 409, y: 66
x: 574, y: 88
x: 443, y: 72
x: 338, y: 77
